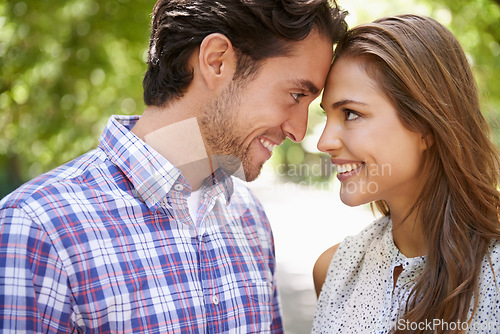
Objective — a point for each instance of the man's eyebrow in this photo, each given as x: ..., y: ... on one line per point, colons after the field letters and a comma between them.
x: 306, y: 85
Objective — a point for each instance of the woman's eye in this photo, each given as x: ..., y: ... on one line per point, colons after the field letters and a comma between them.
x: 350, y: 115
x: 297, y: 96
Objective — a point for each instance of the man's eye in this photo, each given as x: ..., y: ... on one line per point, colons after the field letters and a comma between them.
x: 297, y: 96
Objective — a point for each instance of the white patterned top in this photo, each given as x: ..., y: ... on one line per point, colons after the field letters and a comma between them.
x: 359, y: 295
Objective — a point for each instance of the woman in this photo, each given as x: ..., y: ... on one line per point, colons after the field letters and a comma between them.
x: 404, y: 129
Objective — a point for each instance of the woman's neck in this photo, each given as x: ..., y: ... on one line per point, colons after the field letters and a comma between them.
x: 407, y: 234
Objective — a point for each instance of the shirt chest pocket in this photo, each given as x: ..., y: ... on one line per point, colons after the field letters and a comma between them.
x: 255, y: 299
x: 256, y: 306
x: 259, y: 291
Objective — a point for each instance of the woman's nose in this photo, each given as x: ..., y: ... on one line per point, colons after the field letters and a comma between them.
x: 330, y: 140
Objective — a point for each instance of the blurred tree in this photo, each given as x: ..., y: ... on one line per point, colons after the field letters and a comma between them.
x: 64, y: 70
x: 477, y: 26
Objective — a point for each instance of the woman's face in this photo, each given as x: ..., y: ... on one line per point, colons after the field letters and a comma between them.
x: 377, y: 158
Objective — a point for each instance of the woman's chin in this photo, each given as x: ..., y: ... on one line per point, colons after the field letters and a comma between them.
x: 352, y: 200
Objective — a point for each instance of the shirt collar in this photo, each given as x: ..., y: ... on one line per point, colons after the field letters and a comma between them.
x: 152, y: 175
x: 398, y: 258
x: 219, y: 184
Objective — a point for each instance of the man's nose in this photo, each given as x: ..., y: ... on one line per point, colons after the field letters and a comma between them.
x: 295, y: 126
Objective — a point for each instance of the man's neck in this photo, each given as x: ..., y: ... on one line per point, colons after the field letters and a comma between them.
x: 178, y: 139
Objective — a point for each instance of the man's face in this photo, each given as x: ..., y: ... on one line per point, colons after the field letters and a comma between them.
x: 250, y: 117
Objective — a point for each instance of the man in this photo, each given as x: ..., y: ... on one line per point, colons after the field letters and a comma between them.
x: 150, y: 233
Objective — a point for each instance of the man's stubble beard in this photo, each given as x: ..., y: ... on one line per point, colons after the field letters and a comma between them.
x: 222, y: 132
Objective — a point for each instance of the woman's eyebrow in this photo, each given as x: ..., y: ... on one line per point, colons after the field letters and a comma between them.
x: 340, y: 103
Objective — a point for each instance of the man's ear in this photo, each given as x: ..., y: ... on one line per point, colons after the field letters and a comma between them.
x: 217, y: 60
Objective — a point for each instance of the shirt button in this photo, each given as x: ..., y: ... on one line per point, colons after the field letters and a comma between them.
x: 215, y: 299
x: 179, y: 187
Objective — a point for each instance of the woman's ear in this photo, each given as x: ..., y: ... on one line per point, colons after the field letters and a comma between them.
x: 427, y: 141
x: 217, y: 60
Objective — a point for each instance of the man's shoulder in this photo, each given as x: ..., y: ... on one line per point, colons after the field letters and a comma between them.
x: 244, y: 193
x: 67, y: 180
x: 246, y: 201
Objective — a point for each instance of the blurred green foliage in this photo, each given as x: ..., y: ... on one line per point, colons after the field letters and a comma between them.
x: 477, y: 26
x: 66, y: 66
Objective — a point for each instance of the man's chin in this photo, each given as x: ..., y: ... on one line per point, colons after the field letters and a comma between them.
x: 243, y: 168
x: 251, y: 173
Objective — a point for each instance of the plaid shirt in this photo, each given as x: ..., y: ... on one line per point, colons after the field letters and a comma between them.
x: 106, y: 244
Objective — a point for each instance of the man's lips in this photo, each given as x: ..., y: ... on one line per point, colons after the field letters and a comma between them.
x: 267, y: 143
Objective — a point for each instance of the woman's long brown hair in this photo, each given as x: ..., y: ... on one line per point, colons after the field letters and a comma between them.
x: 422, y: 69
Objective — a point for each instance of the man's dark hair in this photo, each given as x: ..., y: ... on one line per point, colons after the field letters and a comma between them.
x: 258, y: 29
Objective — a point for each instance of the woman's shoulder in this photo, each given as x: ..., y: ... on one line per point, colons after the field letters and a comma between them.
x: 350, y: 246
x: 494, y: 250
x: 487, y: 314
x: 321, y: 267
x: 490, y: 268
x: 367, y: 236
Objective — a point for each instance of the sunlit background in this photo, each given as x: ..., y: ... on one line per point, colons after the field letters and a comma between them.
x: 307, y: 215
x: 66, y: 66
